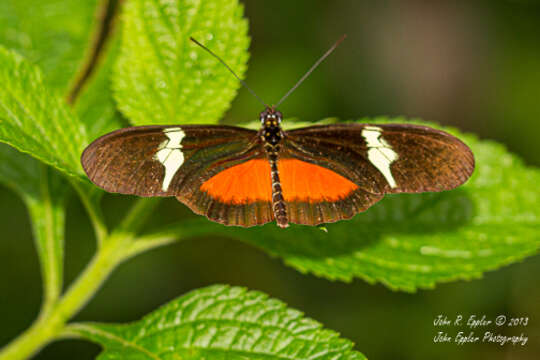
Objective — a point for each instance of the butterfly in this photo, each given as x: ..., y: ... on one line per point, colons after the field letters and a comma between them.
x: 312, y: 175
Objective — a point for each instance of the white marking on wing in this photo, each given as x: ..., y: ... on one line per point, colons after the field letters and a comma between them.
x: 380, y: 153
x: 170, y: 154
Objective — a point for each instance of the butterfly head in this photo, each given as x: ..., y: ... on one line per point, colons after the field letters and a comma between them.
x: 270, y: 117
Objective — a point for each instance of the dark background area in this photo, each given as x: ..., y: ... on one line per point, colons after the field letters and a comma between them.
x: 472, y: 65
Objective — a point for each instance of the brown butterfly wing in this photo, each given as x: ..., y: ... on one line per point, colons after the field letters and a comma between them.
x: 386, y: 158
x: 322, y: 212
x: 377, y: 159
x: 176, y: 161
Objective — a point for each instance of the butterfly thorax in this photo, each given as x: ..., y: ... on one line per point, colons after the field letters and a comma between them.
x: 271, y: 135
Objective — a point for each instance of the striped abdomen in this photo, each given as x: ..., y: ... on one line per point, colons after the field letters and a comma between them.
x: 278, y: 203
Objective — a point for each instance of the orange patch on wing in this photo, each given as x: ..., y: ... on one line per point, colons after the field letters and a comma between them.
x: 303, y: 181
x: 300, y: 181
x: 241, y: 184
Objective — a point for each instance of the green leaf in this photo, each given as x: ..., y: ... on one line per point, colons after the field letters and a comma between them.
x: 410, y: 241
x: 162, y: 77
x: 44, y: 193
x: 35, y: 121
x: 219, y: 322
x: 59, y: 45
x: 52, y: 34
x: 96, y: 106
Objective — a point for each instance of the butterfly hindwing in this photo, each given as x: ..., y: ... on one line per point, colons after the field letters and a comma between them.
x: 314, y: 194
x: 385, y: 158
x: 239, y: 195
x: 308, y: 212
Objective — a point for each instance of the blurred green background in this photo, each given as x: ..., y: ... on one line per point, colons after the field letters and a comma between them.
x: 473, y: 65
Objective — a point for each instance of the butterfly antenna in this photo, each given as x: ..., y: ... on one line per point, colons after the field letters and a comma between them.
x: 336, y: 44
x: 231, y: 70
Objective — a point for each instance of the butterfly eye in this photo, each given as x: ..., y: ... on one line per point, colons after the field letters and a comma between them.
x: 279, y: 116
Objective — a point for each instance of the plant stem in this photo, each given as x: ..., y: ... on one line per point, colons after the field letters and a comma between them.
x: 90, y: 202
x: 50, y: 324
x: 106, y: 17
x: 138, y: 214
x: 51, y: 263
x: 114, y: 250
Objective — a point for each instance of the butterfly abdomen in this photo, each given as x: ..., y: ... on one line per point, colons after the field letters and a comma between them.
x: 278, y: 203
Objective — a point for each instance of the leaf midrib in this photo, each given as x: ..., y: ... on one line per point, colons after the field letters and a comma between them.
x: 113, y: 337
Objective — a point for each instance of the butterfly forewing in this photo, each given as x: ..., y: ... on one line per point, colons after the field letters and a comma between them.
x: 165, y: 160
x: 385, y: 158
